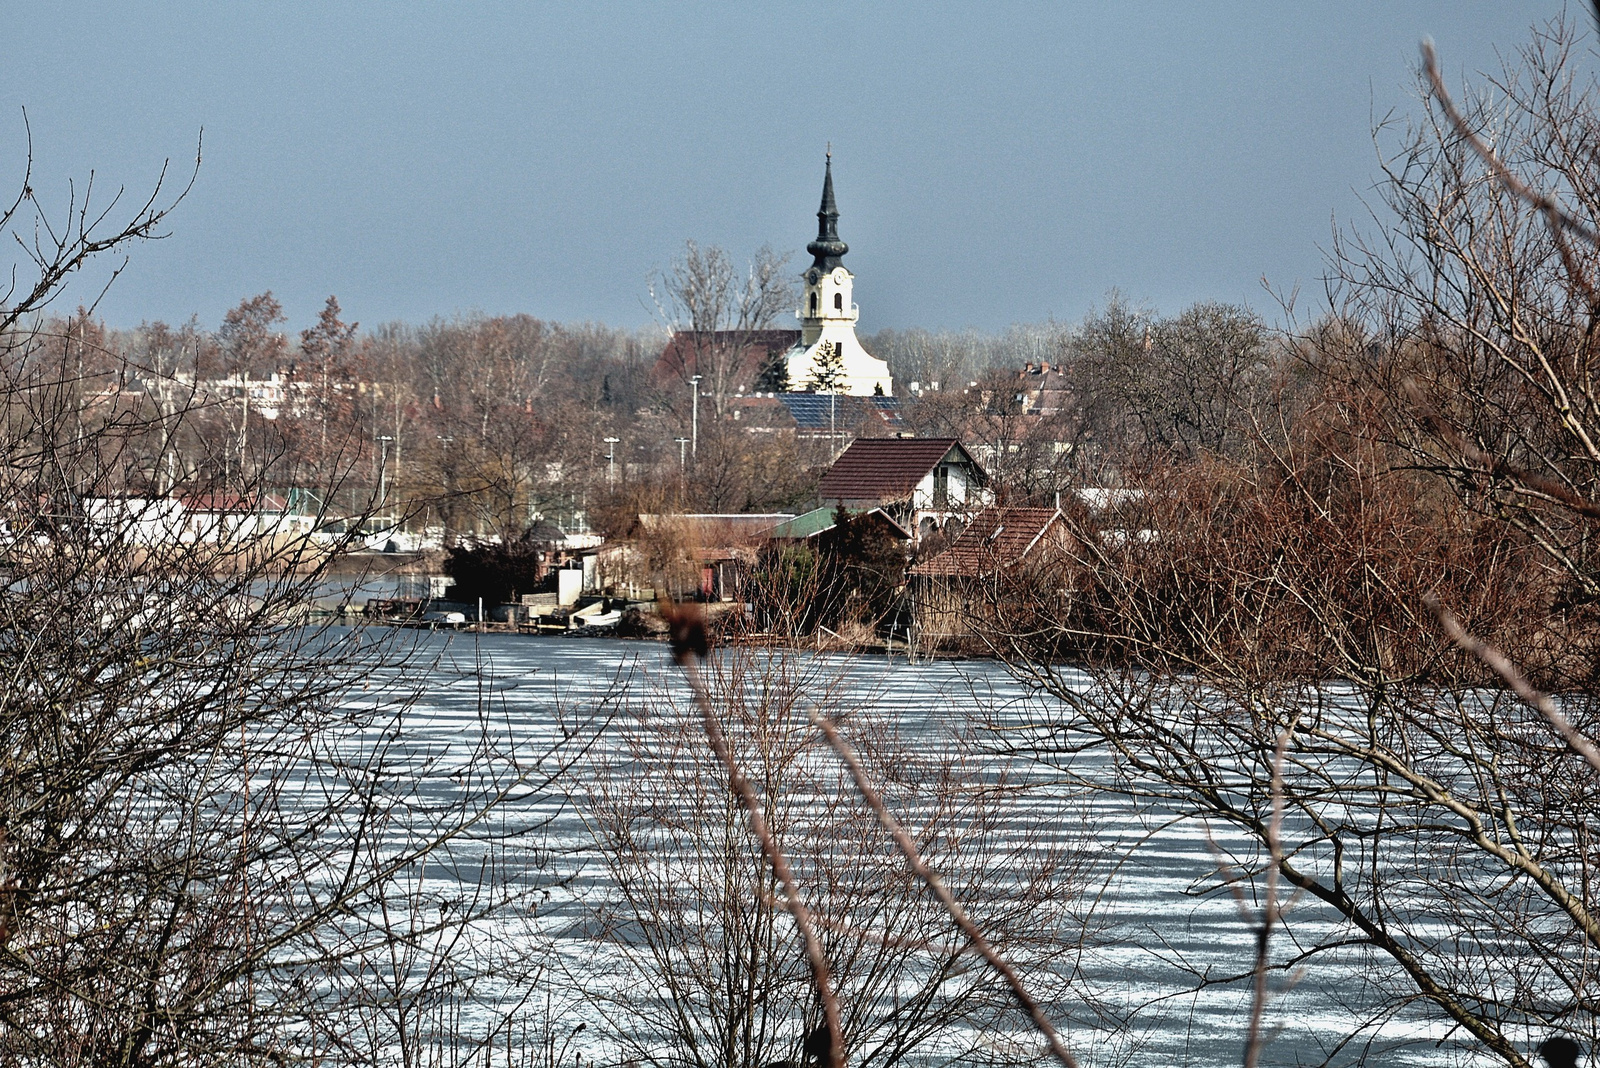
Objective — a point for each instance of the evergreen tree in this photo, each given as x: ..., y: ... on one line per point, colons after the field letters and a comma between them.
x: 827, y: 370
x: 774, y: 375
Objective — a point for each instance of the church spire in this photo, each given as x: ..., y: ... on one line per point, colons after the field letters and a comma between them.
x: 827, y: 248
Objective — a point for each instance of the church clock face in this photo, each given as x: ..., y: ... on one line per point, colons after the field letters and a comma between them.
x: 812, y: 276
x: 838, y: 277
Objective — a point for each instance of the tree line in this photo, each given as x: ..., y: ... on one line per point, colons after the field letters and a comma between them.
x: 487, y: 426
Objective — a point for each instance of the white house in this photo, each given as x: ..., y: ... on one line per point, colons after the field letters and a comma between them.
x: 923, y: 483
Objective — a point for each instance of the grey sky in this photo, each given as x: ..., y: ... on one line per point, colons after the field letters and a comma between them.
x: 995, y: 162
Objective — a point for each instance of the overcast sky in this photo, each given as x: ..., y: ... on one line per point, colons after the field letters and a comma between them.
x: 994, y: 162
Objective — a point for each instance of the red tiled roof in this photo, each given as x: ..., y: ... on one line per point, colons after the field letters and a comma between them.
x: 996, y: 537
x: 886, y: 469
x: 753, y: 348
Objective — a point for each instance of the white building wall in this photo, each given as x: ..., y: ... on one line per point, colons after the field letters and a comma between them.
x: 834, y: 321
x: 962, y: 494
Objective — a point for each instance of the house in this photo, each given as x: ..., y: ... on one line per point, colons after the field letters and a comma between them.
x: 837, y: 570
x: 696, y: 556
x: 826, y: 415
x: 135, y: 520
x: 223, y: 517
x: 820, y: 417
x: 1043, y: 389
x: 922, y: 483
x: 1000, y: 552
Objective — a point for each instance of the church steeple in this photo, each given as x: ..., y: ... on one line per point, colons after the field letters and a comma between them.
x: 828, y: 317
x: 827, y: 248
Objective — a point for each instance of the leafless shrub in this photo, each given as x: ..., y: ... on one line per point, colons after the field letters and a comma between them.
x: 697, y: 914
x: 1287, y: 597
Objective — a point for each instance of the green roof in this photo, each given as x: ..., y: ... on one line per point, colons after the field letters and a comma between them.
x: 820, y: 519
x: 803, y: 526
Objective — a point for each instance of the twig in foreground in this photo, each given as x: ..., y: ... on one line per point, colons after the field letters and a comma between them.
x: 1500, y: 665
x: 1270, y: 910
x: 908, y: 849
x: 1556, y: 217
x: 689, y: 646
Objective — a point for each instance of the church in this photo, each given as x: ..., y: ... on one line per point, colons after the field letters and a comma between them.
x: 823, y: 357
x: 828, y: 358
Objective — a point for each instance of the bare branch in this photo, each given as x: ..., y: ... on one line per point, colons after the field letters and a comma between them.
x: 913, y: 856
x: 58, y: 254
x: 689, y: 646
x: 1497, y: 465
x: 1500, y: 665
x: 1270, y: 909
x: 1557, y: 216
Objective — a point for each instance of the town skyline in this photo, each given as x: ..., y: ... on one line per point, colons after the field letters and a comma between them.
x: 1010, y: 168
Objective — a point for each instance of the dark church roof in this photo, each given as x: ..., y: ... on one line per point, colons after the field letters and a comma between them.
x: 888, y: 469
x: 827, y: 248
x: 744, y: 352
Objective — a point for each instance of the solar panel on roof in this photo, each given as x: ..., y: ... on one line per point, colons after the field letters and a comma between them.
x: 822, y: 411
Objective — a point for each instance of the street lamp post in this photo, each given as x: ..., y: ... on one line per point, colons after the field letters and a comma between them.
x: 383, y: 471
x: 694, y: 421
x: 682, y: 442
x: 447, y: 505
x: 611, y: 462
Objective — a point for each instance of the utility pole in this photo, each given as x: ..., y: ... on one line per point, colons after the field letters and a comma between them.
x: 611, y: 462
x: 244, y: 421
x: 694, y: 422
x: 682, y: 443
x: 383, y: 472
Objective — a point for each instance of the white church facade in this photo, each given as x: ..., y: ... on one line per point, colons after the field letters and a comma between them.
x: 828, y: 358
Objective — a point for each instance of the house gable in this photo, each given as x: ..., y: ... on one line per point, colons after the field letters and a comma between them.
x: 996, y: 538
x: 892, y: 470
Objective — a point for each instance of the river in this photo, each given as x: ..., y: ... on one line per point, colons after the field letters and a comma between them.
x: 1160, y: 915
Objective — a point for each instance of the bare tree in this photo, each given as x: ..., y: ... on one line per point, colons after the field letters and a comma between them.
x: 214, y: 826
x: 329, y: 350
x: 250, y: 342
x: 1481, y: 315
x: 695, y: 919
x: 1285, y: 600
x: 714, y: 307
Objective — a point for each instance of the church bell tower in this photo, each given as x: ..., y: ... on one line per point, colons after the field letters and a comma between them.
x: 828, y: 315
x: 827, y: 283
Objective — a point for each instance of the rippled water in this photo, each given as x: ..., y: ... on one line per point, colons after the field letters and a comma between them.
x: 1161, y: 914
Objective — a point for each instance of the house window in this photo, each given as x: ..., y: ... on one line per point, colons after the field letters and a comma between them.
x: 941, y: 486
x: 838, y: 302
